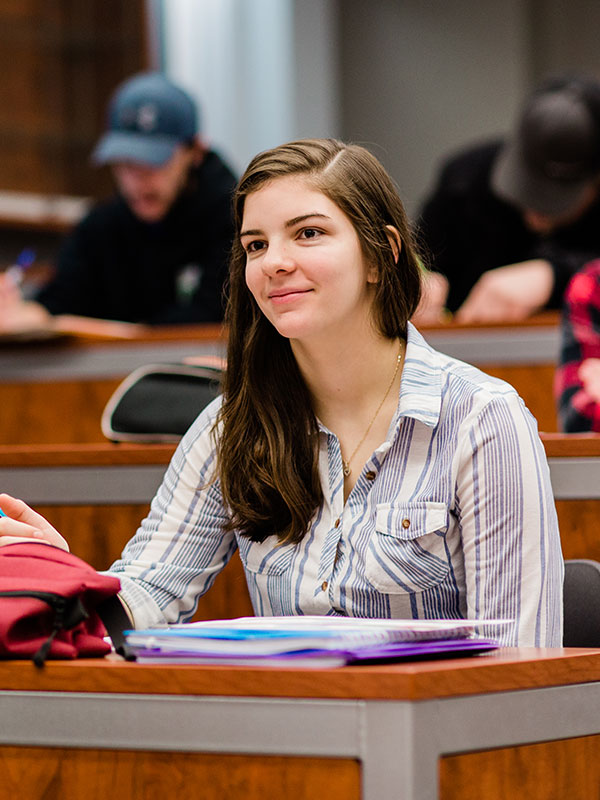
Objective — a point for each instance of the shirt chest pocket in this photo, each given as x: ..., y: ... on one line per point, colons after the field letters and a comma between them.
x: 408, y: 550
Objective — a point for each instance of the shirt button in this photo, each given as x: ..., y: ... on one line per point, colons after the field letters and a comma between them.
x: 324, y: 586
x: 405, y: 523
x: 370, y: 475
x: 336, y: 524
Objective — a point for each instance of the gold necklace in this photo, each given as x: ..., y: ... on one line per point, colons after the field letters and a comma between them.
x: 346, y: 464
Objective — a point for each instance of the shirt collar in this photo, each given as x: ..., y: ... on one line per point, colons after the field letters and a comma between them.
x: 421, y: 386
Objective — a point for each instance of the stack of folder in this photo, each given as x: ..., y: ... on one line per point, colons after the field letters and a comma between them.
x: 306, y: 641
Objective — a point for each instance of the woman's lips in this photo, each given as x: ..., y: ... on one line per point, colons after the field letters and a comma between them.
x: 287, y: 295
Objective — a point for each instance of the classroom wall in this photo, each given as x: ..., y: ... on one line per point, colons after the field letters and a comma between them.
x: 421, y: 79
x: 413, y: 79
x: 262, y: 71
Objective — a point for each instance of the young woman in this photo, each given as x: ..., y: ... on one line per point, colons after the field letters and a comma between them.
x: 358, y: 471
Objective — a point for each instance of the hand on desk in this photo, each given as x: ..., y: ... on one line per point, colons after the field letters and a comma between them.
x: 589, y: 375
x: 508, y: 294
x: 21, y: 523
x: 18, y: 315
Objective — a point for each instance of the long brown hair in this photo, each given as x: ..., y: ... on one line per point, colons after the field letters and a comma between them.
x: 267, y: 441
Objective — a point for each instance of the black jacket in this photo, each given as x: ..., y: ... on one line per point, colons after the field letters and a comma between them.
x: 114, y: 266
x: 468, y: 230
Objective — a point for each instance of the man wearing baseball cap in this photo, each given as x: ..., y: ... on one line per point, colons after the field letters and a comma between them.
x: 509, y: 222
x: 156, y: 252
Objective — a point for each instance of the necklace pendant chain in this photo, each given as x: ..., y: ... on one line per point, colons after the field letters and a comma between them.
x: 346, y: 469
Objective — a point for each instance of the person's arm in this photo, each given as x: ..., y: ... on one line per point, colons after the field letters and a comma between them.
x: 578, y: 405
x: 566, y: 259
x: 181, y: 546
x: 513, y: 292
x: 509, y: 294
x: 511, y: 544
x: 462, y: 227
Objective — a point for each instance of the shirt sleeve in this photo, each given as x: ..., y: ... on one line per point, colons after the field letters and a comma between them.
x: 511, y: 544
x: 181, y: 546
x: 580, y: 339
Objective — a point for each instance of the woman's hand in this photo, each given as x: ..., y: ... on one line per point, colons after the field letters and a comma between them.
x: 589, y: 375
x: 22, y: 523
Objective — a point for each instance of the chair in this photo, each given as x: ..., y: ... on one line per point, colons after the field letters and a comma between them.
x: 582, y: 603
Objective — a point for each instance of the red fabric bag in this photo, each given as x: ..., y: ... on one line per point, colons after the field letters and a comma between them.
x: 48, y: 604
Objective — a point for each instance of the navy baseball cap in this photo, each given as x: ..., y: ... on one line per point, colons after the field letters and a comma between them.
x: 554, y: 154
x: 148, y: 117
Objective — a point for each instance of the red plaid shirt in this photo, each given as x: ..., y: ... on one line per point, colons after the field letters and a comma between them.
x: 580, y: 339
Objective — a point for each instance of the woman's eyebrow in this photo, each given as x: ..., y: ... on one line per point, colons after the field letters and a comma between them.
x: 251, y: 232
x: 289, y: 224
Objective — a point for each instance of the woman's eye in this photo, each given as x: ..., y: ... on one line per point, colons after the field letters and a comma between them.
x: 309, y: 233
x: 253, y: 247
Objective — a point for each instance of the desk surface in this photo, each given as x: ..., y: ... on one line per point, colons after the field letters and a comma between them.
x: 534, y: 341
x: 508, y: 669
x: 411, y: 731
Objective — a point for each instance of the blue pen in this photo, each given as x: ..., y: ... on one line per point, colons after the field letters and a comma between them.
x: 2, y: 514
x: 22, y: 263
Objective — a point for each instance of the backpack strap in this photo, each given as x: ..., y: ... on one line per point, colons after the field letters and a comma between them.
x: 115, y: 619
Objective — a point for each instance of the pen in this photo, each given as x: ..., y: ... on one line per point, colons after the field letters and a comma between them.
x: 2, y: 514
x: 22, y: 262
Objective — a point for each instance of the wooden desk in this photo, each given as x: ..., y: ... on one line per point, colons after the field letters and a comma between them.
x: 574, y: 461
x: 521, y: 723
x: 55, y: 392
x: 525, y: 355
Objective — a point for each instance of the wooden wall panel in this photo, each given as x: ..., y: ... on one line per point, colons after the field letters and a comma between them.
x: 44, y: 412
x: 62, y: 60
x: 569, y: 768
x: 31, y: 773
x: 579, y: 524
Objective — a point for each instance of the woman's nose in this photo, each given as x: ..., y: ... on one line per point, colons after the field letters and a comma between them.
x: 278, y: 259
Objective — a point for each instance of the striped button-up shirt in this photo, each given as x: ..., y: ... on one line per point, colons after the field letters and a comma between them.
x: 452, y: 516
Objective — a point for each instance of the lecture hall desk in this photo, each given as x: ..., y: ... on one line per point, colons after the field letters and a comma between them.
x: 523, y: 354
x: 574, y: 461
x: 55, y: 391
x: 519, y: 723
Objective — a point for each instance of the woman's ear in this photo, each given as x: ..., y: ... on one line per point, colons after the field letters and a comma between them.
x: 395, y: 241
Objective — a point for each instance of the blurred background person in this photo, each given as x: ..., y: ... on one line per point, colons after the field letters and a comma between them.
x: 156, y: 251
x: 510, y: 221
x: 577, y: 379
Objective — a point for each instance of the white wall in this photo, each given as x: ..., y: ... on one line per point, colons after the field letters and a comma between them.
x: 412, y: 79
x: 263, y: 71
x: 423, y: 78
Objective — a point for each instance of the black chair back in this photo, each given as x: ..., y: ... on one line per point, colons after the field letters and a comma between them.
x: 582, y: 603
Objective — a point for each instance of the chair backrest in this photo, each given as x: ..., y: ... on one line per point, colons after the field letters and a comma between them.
x: 582, y: 603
